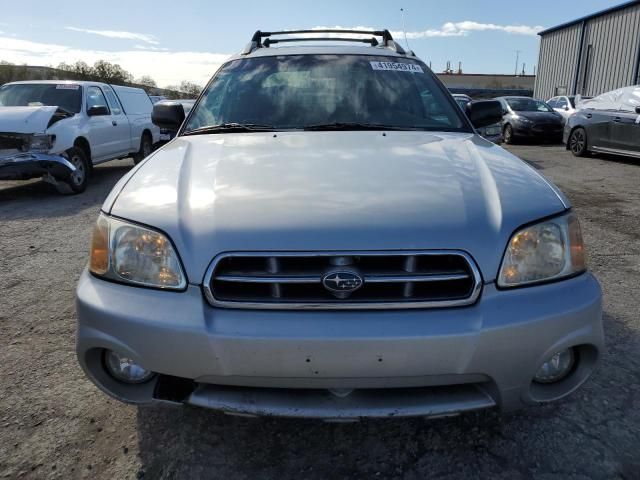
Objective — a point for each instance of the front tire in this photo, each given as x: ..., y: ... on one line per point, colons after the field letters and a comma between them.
x: 578, y: 142
x: 78, y: 180
x: 145, y: 149
x: 507, y: 135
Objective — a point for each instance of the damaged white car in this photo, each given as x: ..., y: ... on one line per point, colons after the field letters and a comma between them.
x: 59, y: 130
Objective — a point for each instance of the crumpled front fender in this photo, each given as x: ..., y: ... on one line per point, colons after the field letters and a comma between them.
x: 22, y: 166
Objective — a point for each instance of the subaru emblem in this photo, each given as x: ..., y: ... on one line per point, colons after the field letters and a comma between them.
x: 342, y: 282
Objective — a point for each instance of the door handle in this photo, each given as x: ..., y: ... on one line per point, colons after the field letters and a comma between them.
x: 617, y: 119
x: 114, y: 123
x: 588, y: 115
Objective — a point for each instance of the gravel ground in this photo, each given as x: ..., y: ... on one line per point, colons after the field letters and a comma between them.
x: 55, y: 424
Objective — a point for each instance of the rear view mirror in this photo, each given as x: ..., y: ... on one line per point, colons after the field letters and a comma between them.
x: 168, y: 115
x: 98, y: 110
x: 483, y: 113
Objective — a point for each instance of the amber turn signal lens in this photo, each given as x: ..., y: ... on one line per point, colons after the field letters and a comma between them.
x: 99, y: 262
x: 578, y: 256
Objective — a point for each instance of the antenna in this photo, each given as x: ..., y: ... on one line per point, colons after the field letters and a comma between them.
x: 517, y: 60
x: 404, y: 30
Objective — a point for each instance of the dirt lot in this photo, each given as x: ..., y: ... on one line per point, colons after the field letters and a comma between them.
x: 55, y: 424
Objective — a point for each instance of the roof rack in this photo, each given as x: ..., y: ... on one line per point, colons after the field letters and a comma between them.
x: 387, y: 39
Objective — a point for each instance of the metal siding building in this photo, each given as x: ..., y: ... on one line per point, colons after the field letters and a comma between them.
x: 591, y: 55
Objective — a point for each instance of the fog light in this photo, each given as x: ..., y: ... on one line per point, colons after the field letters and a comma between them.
x: 125, y: 369
x: 556, y: 367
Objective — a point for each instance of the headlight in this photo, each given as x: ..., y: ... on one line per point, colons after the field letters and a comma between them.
x: 41, y: 143
x: 524, y: 121
x: 548, y: 250
x: 130, y: 253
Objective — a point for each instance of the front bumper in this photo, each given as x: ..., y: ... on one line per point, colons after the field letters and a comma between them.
x: 534, y: 131
x: 23, y: 166
x: 305, y: 363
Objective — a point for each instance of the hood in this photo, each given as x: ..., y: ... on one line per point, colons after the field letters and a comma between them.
x: 334, y: 191
x: 25, y: 119
x: 541, y: 117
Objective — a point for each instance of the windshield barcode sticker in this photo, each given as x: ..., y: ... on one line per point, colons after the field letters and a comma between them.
x: 67, y: 87
x: 397, y: 67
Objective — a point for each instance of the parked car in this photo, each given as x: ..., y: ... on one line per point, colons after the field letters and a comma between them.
x: 59, y: 130
x: 525, y: 117
x: 493, y: 133
x: 157, y: 98
x: 564, y: 105
x: 327, y: 236
x: 187, y: 105
x: 462, y: 100
x: 609, y: 123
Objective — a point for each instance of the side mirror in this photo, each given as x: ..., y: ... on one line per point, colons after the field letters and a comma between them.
x: 566, y: 108
x: 483, y: 113
x: 98, y: 110
x: 168, y: 115
x: 638, y: 110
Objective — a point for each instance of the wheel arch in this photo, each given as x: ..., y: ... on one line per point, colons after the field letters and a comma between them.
x: 83, y: 144
x: 586, y: 136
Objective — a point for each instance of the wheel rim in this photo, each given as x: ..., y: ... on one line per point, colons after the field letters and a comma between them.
x: 507, y: 134
x: 577, y: 142
x: 77, y: 177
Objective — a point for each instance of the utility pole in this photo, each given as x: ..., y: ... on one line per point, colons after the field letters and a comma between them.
x: 517, y: 61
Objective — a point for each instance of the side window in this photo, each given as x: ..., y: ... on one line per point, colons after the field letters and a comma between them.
x: 116, y: 109
x: 561, y: 103
x: 95, y: 98
x: 553, y: 102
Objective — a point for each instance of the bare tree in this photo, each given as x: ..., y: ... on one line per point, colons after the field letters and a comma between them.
x: 147, y: 81
x: 193, y: 89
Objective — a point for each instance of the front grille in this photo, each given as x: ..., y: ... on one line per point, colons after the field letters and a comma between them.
x: 343, y: 280
x: 543, y: 127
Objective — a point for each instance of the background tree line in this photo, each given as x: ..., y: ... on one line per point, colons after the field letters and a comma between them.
x: 101, y: 71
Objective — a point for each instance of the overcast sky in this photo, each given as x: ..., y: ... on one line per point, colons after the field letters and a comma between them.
x: 173, y: 41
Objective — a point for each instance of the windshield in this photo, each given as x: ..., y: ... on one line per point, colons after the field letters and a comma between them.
x: 299, y: 91
x: 66, y: 96
x: 528, y: 105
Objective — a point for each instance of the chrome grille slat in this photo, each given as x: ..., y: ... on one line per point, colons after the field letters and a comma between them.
x: 390, y: 280
x: 367, y: 278
x: 267, y: 279
x: 415, y: 278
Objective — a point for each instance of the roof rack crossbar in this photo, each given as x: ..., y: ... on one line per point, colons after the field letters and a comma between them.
x: 377, y: 33
x: 387, y: 38
x: 371, y: 41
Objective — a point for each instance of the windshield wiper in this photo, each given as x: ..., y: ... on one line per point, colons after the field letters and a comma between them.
x: 230, y: 128
x: 353, y: 126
